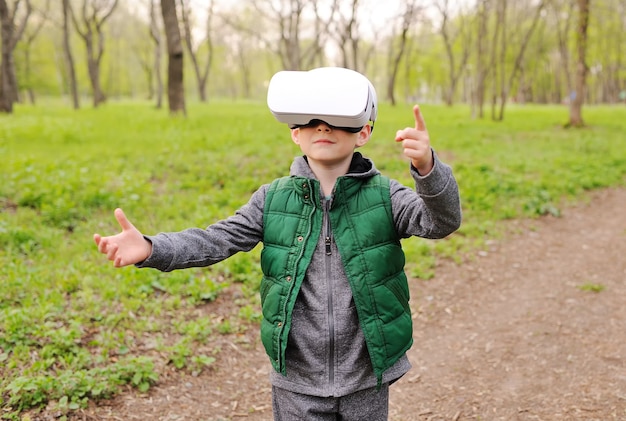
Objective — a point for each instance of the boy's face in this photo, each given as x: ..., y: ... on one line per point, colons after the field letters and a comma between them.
x: 327, y: 144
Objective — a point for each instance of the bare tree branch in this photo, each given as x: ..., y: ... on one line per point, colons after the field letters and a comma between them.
x: 93, y: 23
x: 520, y: 57
x: 449, y: 37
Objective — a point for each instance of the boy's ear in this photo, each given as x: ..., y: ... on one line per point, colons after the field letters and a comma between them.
x: 364, y: 135
x: 295, y: 133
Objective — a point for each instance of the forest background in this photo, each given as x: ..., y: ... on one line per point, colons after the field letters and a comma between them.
x: 483, y: 53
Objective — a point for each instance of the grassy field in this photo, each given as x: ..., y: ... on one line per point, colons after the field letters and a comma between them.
x: 73, y: 328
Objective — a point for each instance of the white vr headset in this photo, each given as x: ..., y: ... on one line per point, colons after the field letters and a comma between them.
x: 338, y: 96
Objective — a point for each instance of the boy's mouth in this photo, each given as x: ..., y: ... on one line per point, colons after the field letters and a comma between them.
x: 323, y: 141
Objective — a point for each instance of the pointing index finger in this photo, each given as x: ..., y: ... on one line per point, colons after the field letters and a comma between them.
x: 420, y: 124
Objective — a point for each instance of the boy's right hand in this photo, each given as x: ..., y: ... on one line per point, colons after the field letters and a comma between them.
x: 416, y: 143
x: 126, y: 248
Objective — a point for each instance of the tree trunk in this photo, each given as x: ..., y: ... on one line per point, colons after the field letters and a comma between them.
x: 575, y: 117
x: 454, y: 73
x: 246, y: 70
x: 562, y: 37
x: 13, y: 85
x: 395, y: 67
x: 478, y: 97
x: 396, y: 58
x: 69, y: 58
x: 519, y: 59
x: 6, y: 29
x: 347, y: 37
x: 28, y: 43
x: 93, y: 68
x: 27, y: 72
x: 156, y: 36
x: 10, y: 32
x: 175, y: 86
x: 202, y: 75
x: 497, y: 63
x: 93, y: 26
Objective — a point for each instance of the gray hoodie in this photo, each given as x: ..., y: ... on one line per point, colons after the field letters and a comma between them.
x: 326, y: 352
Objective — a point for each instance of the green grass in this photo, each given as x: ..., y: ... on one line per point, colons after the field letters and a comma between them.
x: 73, y: 328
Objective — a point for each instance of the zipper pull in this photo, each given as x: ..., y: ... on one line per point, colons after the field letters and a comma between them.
x: 327, y: 239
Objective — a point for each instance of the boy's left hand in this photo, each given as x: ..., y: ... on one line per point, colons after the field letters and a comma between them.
x: 416, y: 143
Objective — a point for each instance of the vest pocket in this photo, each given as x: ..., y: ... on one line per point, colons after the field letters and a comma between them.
x: 271, y: 306
x: 273, y: 294
x: 266, y: 285
x: 400, y: 290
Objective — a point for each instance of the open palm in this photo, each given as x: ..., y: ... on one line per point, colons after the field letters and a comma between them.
x: 126, y: 248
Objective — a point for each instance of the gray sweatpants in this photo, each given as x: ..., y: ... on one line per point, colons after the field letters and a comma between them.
x: 369, y: 404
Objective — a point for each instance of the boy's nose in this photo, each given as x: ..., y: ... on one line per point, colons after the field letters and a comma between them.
x: 323, y: 126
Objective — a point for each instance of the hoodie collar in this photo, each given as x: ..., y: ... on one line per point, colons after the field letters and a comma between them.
x: 360, y: 167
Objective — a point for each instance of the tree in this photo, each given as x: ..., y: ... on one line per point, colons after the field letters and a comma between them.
x: 295, y: 51
x: 395, y: 55
x: 294, y: 55
x: 348, y: 38
x: 202, y: 75
x: 155, y: 34
x: 243, y: 51
x: 175, y: 86
x: 454, y: 71
x: 69, y: 57
x: 481, y: 68
x: 562, y: 21
x: 251, y: 40
x: 92, y: 26
x: 10, y: 32
x: 498, y: 62
x: 150, y: 58
x: 6, y: 101
x: 575, y: 116
x: 29, y: 38
x: 519, y: 59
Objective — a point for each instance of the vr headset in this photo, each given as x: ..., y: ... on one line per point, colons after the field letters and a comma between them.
x: 339, y: 97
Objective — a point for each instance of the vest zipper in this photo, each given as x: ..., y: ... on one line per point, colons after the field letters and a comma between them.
x: 328, y: 229
x: 329, y: 282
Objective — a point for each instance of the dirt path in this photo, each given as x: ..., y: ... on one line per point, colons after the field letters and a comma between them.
x: 518, y: 333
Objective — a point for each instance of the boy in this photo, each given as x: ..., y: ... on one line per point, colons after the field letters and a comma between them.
x: 335, y: 299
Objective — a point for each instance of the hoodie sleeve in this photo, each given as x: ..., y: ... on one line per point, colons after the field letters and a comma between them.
x: 196, y: 247
x: 433, y: 209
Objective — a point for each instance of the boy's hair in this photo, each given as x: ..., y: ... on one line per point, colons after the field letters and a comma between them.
x: 338, y: 96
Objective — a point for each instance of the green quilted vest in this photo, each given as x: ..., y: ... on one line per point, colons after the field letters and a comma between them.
x: 370, y: 249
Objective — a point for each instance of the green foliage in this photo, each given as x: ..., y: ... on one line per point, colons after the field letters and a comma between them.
x: 591, y: 287
x: 182, y: 355
x: 251, y: 313
x: 73, y: 328
x: 73, y: 388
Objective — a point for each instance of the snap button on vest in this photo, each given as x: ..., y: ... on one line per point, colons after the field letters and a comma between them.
x: 300, y: 238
